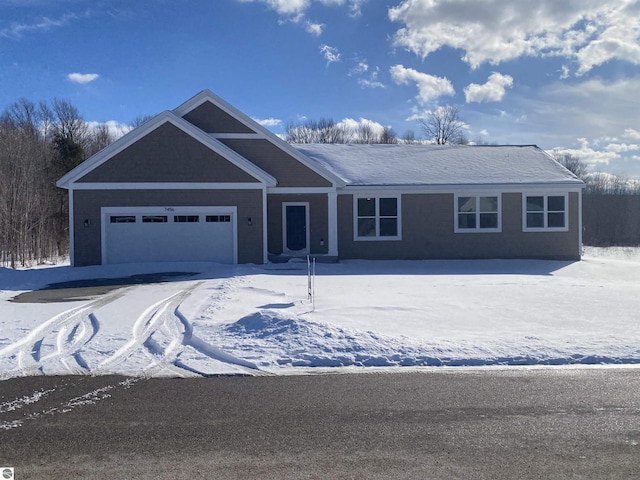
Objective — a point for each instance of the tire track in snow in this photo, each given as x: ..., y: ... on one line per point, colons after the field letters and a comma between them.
x: 70, y: 340
x: 66, y: 332
x: 162, y: 334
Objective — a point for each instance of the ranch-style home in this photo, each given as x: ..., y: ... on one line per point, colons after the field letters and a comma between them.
x: 205, y: 182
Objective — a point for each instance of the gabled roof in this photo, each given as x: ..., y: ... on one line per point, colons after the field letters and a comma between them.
x: 432, y: 165
x: 261, y: 132
x: 165, y: 117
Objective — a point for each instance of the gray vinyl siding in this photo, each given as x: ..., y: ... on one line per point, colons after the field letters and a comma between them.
x: 87, y: 204
x: 278, y: 163
x: 428, y: 233
x: 167, y: 154
x: 318, y: 221
x: 213, y: 119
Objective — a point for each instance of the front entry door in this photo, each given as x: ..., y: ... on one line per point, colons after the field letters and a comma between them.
x: 295, y: 227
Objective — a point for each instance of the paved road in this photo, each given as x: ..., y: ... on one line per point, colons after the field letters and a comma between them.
x: 433, y: 424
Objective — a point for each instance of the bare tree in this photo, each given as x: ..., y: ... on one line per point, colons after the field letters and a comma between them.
x: 409, y: 137
x: 69, y: 123
x: 310, y: 131
x: 388, y: 136
x: 38, y: 144
x: 70, y: 135
x: 139, y: 120
x: 327, y: 131
x: 26, y: 186
x: 365, y: 134
x: 573, y: 164
x: 99, y: 138
x: 444, y: 126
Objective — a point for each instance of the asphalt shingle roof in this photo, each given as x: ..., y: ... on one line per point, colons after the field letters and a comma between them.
x: 408, y: 165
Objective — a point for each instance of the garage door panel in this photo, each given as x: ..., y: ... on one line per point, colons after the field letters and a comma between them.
x: 157, y: 240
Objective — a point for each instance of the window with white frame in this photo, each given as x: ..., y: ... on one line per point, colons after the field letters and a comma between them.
x: 545, y: 212
x: 478, y: 213
x: 377, y: 218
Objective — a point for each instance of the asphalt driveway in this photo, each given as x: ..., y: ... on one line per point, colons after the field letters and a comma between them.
x: 88, y: 289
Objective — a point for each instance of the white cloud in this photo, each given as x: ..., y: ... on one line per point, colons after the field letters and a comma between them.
x: 360, y: 68
x: 492, y: 91
x: 621, y: 147
x: 372, y: 81
x: 493, y: 31
x: 585, y: 152
x: 18, y: 30
x: 269, y: 122
x: 315, y: 29
x: 619, y: 39
x: 82, y: 78
x: 330, y: 54
x: 352, y: 126
x: 430, y: 87
x: 631, y: 133
x: 355, y: 7
x: 284, y: 7
x: 294, y: 11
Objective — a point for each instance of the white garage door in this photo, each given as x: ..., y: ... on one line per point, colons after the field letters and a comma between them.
x: 136, y: 235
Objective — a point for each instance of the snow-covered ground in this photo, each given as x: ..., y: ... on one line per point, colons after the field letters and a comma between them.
x: 257, y: 320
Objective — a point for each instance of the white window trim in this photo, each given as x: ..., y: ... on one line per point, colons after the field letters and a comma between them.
x: 546, y: 195
x: 477, y: 229
x: 377, y: 238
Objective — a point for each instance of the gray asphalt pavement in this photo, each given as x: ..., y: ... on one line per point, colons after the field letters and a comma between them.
x: 552, y: 423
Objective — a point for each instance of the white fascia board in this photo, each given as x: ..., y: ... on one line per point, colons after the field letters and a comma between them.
x: 452, y: 188
x: 166, y: 186
x: 262, y: 132
x: 157, y: 121
x: 300, y: 190
x: 236, y: 136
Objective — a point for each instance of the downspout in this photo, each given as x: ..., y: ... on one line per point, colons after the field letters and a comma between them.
x: 72, y: 243
x: 580, y: 245
x: 265, y: 223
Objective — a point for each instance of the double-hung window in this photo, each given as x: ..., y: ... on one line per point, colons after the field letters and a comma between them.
x: 478, y: 213
x: 545, y: 213
x: 377, y: 218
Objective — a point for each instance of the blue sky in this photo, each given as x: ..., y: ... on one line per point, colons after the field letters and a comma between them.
x: 562, y: 75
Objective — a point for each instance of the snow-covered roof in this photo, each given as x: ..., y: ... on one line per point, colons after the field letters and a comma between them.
x: 431, y: 165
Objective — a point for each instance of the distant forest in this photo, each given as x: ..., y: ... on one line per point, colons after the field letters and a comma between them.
x: 40, y: 142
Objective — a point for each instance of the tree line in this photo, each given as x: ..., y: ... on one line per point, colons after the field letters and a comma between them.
x: 39, y: 143
x: 598, y: 183
x: 441, y: 126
